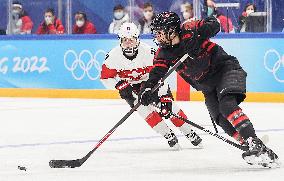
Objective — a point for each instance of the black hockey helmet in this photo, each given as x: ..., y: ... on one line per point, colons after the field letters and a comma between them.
x: 167, y: 21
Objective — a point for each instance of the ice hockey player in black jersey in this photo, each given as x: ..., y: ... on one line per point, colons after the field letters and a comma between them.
x: 218, y: 75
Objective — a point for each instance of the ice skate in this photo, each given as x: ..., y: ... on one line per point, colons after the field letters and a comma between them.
x: 173, y: 141
x: 259, y: 154
x: 194, y: 139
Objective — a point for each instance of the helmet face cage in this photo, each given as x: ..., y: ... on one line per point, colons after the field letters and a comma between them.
x: 129, y: 32
x: 130, y: 51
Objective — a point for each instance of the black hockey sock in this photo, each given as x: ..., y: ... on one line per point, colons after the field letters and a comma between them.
x: 226, y: 125
x: 247, y: 131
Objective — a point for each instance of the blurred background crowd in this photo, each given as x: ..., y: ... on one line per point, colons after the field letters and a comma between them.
x: 97, y: 16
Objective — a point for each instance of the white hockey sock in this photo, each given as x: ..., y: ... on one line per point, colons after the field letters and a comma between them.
x: 162, y: 128
x: 185, y: 129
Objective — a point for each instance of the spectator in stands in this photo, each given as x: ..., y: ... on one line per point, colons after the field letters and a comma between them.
x: 83, y: 25
x: 145, y: 21
x: 249, y: 8
x: 120, y: 17
x: 226, y: 23
x: 51, y: 24
x: 187, y: 11
x: 20, y: 22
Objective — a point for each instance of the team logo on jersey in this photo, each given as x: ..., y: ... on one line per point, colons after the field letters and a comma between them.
x: 84, y: 64
x: 274, y: 63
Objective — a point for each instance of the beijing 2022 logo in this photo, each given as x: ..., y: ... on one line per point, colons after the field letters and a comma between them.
x: 274, y: 63
x: 84, y: 64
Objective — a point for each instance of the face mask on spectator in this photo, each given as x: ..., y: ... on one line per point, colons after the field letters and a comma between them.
x: 16, y: 12
x: 249, y: 11
x: 80, y: 23
x: 48, y: 19
x: 148, y: 15
x: 186, y: 15
x: 19, y: 23
x: 210, y: 11
x: 118, y: 15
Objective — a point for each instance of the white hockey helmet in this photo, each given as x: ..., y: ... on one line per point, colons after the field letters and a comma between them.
x: 129, y: 38
x: 128, y: 30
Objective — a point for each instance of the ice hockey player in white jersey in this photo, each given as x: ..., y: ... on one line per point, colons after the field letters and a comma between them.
x: 126, y: 67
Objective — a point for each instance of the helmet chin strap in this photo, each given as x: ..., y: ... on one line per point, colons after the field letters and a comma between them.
x: 130, y: 53
x: 131, y: 56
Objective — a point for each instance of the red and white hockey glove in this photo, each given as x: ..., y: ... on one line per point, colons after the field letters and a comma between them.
x: 166, y: 106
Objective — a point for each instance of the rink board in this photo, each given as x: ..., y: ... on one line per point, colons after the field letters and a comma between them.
x: 112, y: 94
x: 70, y: 65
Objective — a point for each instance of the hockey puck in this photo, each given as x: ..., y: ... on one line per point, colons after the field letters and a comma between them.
x: 22, y: 168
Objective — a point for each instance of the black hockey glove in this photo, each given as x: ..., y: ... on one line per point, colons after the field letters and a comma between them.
x: 125, y: 92
x: 210, y: 28
x: 166, y: 106
x: 146, y: 97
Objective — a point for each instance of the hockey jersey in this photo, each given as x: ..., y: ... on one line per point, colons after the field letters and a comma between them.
x: 117, y: 67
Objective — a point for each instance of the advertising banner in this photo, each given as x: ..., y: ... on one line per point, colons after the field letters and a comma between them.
x: 72, y: 62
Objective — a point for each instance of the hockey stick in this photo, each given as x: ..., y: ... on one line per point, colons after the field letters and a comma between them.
x: 214, y: 125
x: 79, y: 162
x: 244, y: 148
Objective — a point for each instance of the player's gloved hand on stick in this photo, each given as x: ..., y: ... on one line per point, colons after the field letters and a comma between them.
x: 210, y: 28
x: 125, y: 92
x: 146, y: 97
x: 166, y: 106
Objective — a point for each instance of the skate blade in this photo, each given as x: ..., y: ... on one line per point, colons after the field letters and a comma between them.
x: 176, y: 147
x: 263, y: 160
x: 274, y: 164
x: 267, y: 162
x: 252, y: 160
x: 200, y: 145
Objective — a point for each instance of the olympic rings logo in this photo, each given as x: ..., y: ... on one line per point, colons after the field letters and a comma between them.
x: 80, y: 66
x: 277, y: 65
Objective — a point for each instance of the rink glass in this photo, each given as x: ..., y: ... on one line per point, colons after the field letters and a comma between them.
x: 101, y: 12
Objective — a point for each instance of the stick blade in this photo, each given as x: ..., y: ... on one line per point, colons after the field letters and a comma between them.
x: 64, y: 163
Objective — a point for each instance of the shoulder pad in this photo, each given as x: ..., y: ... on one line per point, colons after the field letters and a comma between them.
x: 188, y: 25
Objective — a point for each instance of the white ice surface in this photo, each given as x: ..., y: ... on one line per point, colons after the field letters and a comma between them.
x: 33, y: 131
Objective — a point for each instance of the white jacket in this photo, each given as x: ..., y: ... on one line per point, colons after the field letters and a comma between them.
x: 115, y: 25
